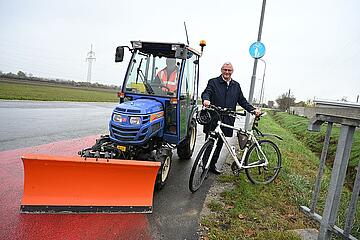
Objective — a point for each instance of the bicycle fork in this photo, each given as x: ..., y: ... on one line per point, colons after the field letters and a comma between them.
x: 211, y: 153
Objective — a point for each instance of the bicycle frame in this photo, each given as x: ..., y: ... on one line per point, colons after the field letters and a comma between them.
x: 232, y: 150
x: 253, y: 154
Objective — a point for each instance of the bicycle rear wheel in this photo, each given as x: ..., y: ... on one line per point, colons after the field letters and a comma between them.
x: 268, y: 173
x: 198, y: 171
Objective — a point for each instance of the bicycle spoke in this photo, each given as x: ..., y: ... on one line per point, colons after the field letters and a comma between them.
x: 267, y: 173
x: 199, y: 171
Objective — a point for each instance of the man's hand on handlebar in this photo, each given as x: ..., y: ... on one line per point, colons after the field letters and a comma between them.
x: 256, y: 112
x: 206, y: 103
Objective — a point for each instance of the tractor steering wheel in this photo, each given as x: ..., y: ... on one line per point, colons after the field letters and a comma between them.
x: 166, y: 88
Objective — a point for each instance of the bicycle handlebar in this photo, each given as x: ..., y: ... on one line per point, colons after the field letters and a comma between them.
x: 261, y: 114
x: 226, y: 111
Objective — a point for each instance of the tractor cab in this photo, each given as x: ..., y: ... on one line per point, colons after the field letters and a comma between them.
x: 162, y: 78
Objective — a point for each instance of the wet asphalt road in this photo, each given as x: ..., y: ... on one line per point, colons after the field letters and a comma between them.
x: 31, y: 123
x: 26, y: 123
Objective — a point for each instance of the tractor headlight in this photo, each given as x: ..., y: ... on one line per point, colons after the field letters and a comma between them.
x: 119, y: 118
x: 135, y: 120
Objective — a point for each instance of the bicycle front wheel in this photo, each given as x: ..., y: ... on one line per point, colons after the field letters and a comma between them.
x: 198, y: 171
x: 265, y: 174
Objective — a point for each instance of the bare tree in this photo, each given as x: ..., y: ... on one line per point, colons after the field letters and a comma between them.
x: 285, y: 101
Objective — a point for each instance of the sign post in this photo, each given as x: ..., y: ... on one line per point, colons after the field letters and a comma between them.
x: 258, y: 51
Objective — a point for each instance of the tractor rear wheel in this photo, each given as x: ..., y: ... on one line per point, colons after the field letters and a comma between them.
x: 164, y: 157
x: 186, y: 147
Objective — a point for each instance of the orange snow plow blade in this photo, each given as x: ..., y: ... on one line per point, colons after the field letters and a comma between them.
x: 54, y: 184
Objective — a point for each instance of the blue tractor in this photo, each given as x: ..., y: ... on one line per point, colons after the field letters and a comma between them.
x: 158, y: 104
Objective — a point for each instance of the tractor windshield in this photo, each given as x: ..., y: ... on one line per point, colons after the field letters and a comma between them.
x: 153, y: 75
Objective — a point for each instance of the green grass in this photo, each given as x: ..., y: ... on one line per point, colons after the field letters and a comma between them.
x: 267, y: 212
x: 53, y: 92
x: 314, y: 140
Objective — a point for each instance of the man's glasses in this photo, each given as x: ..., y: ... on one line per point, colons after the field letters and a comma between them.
x: 227, y: 70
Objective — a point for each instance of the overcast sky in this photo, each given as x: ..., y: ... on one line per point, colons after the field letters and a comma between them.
x: 312, y: 47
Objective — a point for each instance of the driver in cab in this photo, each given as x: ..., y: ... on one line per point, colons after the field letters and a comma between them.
x: 168, y: 76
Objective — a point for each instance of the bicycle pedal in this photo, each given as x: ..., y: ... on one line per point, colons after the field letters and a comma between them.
x: 235, y: 169
x: 234, y: 166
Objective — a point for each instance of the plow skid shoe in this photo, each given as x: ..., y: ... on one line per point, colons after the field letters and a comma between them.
x: 54, y: 184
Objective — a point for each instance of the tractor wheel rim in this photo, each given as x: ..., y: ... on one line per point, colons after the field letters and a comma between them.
x: 165, y: 169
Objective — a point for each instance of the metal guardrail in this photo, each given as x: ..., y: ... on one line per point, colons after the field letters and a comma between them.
x: 328, y: 219
x: 329, y: 103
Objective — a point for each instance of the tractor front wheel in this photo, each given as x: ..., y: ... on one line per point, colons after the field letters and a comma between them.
x: 186, y: 147
x: 164, y: 157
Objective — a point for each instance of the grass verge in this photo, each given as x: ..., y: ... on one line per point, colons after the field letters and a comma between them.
x: 53, y: 92
x: 314, y: 140
x: 249, y: 211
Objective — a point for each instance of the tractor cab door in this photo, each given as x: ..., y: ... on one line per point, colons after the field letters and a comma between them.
x: 188, y: 94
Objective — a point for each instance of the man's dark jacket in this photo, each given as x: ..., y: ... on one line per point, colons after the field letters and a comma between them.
x: 220, y: 94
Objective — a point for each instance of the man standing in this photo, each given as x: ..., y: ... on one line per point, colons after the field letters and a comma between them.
x: 224, y: 92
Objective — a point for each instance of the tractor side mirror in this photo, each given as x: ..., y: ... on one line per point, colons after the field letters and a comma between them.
x: 119, y: 55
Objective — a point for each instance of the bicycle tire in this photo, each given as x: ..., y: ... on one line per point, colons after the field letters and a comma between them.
x: 196, y: 180
x: 265, y: 174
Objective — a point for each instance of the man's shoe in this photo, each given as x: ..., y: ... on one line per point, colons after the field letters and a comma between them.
x: 215, y: 171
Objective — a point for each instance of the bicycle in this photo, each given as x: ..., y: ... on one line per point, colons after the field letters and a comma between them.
x: 261, y: 159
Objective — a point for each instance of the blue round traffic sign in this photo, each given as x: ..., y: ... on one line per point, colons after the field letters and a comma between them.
x: 257, y: 50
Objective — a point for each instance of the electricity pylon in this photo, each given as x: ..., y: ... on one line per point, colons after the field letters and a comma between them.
x: 90, y: 58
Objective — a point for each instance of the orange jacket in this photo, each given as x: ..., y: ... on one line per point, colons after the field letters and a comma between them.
x: 170, y: 81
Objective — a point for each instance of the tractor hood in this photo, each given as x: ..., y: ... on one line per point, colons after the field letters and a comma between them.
x: 140, y: 106
x: 137, y: 121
